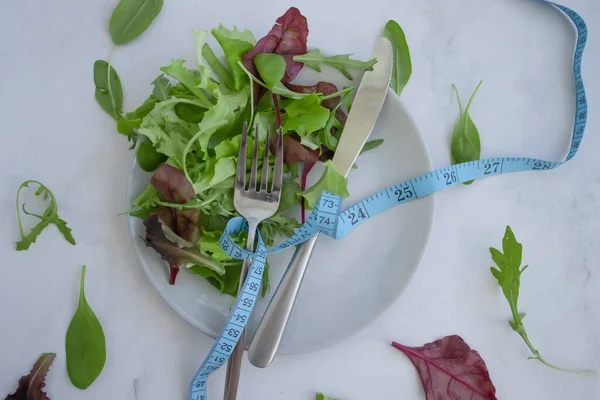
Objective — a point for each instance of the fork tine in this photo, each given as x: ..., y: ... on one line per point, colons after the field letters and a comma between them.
x: 278, y: 177
x: 240, y: 176
x: 265, y: 167
x: 254, y: 172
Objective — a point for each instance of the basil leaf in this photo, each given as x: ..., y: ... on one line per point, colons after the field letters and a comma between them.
x: 85, y: 344
x: 109, y: 93
x: 132, y: 17
x: 402, y: 67
x: 466, y: 144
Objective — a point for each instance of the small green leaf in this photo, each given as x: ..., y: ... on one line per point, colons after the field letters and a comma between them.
x: 466, y: 144
x: 49, y: 216
x: 508, y: 275
x: 162, y: 88
x: 342, y: 62
x: 218, y: 68
x: 321, y: 396
x: 109, y: 93
x: 235, y: 44
x: 371, y: 144
x: 402, y: 68
x: 190, y: 79
x: 331, y: 181
x: 148, y: 158
x: 85, y: 343
x: 270, y: 67
x: 131, y: 18
x: 305, y: 115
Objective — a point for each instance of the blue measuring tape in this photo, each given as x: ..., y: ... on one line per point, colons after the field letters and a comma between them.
x: 328, y: 218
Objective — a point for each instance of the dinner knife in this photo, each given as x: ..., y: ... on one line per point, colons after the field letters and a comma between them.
x: 364, y: 112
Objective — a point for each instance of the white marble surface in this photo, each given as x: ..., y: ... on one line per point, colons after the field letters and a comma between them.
x: 52, y: 130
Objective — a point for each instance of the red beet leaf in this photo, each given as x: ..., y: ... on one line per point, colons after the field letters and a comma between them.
x: 287, y: 38
x: 450, y: 370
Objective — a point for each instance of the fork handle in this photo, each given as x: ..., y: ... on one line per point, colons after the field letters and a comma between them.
x: 268, y: 336
x: 232, y: 378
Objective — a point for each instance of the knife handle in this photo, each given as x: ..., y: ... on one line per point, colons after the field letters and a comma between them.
x: 268, y: 336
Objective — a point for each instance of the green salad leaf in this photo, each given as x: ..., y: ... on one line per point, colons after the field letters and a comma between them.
x: 466, y: 144
x: 371, y: 144
x: 508, y: 274
x: 162, y: 88
x: 321, y: 396
x: 402, y: 68
x: 305, y: 115
x: 331, y: 181
x: 234, y: 44
x: 131, y: 18
x: 342, y: 62
x: 271, y: 68
x: 85, y: 344
x: 192, y: 81
x: 109, y: 93
x: 49, y: 216
x: 215, y: 65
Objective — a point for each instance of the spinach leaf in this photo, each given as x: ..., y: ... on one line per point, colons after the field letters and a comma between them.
x: 162, y: 88
x: 342, y: 62
x: 50, y: 216
x: 371, y: 144
x: 147, y: 157
x: 132, y: 17
x: 271, y: 68
x: 109, y: 93
x: 466, y: 145
x: 85, y: 344
x: 508, y: 274
x: 402, y: 67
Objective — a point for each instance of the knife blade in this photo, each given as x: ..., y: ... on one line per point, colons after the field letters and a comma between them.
x: 366, y: 107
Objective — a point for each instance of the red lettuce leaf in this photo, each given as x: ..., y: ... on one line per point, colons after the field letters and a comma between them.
x: 293, y: 151
x: 287, y: 38
x: 450, y: 370
x: 174, y: 249
x: 172, y: 185
x: 30, y: 386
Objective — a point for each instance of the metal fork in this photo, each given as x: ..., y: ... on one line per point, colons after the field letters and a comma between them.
x: 255, y: 205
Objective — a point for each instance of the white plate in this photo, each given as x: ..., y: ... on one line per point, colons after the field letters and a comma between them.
x: 349, y: 282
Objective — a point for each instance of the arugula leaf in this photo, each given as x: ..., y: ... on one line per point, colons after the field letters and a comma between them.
x: 305, y: 115
x: 85, y: 344
x: 189, y: 79
x: 50, y: 216
x: 234, y: 44
x: 370, y: 145
x: 222, y: 73
x: 131, y: 18
x: 279, y: 88
x: 331, y: 181
x: 31, y: 386
x: 109, y: 93
x: 508, y: 274
x: 162, y: 88
x: 402, y: 68
x: 270, y: 67
x: 342, y: 62
x: 466, y: 145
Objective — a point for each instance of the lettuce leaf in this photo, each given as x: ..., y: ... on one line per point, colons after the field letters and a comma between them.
x: 234, y: 44
x: 331, y: 181
x: 305, y: 115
